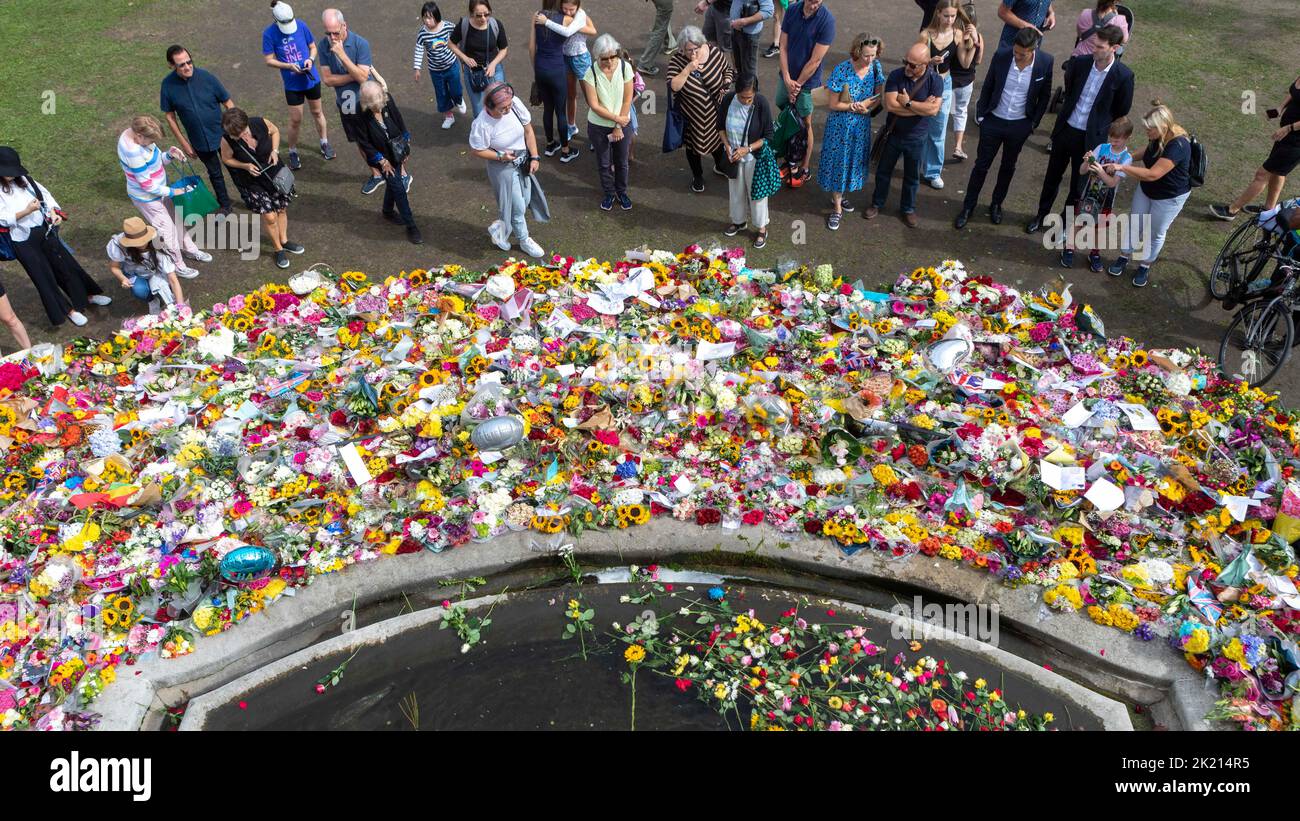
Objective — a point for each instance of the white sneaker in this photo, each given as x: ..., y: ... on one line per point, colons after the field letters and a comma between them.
x: 78, y: 318
x: 529, y: 246
x: 460, y: 107
x: 186, y: 272
x: 500, y: 235
x: 936, y: 183
x: 101, y: 299
x: 448, y: 121
x: 199, y: 256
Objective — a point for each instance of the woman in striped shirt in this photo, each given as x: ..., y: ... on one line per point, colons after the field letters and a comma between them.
x: 431, y: 42
x: 146, y: 184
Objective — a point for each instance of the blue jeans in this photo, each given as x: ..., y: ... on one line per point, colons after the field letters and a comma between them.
x: 910, y: 150
x: 578, y: 64
x: 476, y: 97
x: 446, y: 86
x: 932, y: 163
x: 395, y: 198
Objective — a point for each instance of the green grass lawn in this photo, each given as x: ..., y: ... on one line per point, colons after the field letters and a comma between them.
x: 74, y: 51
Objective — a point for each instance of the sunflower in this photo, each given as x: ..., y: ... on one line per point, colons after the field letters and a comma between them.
x: 1139, y: 359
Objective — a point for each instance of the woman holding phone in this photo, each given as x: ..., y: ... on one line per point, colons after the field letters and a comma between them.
x: 950, y: 37
x: 1282, y: 159
x: 855, y: 85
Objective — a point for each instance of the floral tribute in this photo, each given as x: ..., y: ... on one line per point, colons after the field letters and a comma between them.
x: 301, y: 428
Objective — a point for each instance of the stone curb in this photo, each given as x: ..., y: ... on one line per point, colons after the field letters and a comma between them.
x: 1131, y: 667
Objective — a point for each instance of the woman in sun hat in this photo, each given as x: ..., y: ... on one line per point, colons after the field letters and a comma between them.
x: 31, y: 215
x: 135, y: 262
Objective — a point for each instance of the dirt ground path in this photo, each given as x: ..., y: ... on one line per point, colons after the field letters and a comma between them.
x: 450, y: 197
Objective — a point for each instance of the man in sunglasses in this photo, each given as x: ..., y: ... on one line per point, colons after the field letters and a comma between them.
x: 913, y: 94
x: 199, y: 99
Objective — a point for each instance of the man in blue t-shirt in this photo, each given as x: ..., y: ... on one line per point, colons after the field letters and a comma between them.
x: 344, y: 66
x: 288, y: 45
x: 198, y: 98
x: 807, y: 31
x: 913, y: 94
x: 1019, y: 14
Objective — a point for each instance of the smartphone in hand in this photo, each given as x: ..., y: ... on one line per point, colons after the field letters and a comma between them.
x: 1273, y: 113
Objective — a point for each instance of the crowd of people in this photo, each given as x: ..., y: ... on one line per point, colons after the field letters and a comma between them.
x: 755, y: 127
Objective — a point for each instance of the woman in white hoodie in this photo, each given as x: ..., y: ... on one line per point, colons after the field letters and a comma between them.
x: 146, y: 184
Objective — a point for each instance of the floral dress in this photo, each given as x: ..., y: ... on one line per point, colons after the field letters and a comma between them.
x: 846, y: 142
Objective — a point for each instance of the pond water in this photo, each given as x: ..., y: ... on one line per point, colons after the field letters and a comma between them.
x: 524, y: 676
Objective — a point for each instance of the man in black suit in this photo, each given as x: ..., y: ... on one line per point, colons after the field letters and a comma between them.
x: 1098, y: 91
x: 1013, y: 100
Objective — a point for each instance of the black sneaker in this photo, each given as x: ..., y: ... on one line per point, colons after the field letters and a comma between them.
x: 1221, y: 211
x: 294, y: 162
x: 413, y: 235
x: 697, y: 185
x: 1142, y: 276
x: 772, y: 51
x: 625, y: 202
x: 570, y: 155
x: 717, y: 169
x: 1118, y: 267
x: 1258, y: 209
x: 1067, y: 258
x: 293, y: 248
x: 761, y: 239
x: 607, y: 204
x: 552, y: 149
x: 735, y: 228
x: 1094, y: 263
x: 281, y: 259
x: 846, y: 206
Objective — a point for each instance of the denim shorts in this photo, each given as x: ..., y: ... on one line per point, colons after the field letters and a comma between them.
x: 579, y: 64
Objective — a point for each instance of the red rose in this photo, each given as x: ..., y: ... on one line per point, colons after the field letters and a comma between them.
x: 812, y: 527
x: 753, y: 517
x: 339, y: 418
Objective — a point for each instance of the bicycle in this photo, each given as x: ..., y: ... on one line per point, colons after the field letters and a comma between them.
x: 1245, y: 256
x: 1260, y: 336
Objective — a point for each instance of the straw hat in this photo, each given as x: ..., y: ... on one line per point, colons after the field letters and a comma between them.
x: 135, y: 233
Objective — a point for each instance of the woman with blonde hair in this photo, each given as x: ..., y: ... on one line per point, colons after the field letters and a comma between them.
x: 145, y: 168
x: 1164, y: 184
x: 951, y: 39
x: 383, y: 138
x: 857, y: 86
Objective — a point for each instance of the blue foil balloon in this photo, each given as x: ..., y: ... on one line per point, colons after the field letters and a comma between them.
x: 249, y: 563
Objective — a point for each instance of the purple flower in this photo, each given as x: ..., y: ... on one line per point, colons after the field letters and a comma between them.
x: 1144, y: 632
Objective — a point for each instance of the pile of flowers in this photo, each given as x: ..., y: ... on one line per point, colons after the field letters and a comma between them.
x: 796, y: 675
x: 334, y: 420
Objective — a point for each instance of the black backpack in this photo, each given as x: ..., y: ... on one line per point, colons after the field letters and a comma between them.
x: 1197, y: 165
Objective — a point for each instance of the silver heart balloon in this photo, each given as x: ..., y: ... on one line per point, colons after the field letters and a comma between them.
x: 498, y: 433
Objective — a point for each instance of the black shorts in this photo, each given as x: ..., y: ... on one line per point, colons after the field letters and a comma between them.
x: 1284, y: 157
x: 352, y: 124
x: 296, y: 97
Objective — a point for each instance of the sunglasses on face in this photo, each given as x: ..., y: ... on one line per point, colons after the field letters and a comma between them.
x: 184, y: 64
x: 910, y: 64
x: 483, y: 16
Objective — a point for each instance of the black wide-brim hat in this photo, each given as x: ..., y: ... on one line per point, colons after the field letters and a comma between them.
x: 10, y: 164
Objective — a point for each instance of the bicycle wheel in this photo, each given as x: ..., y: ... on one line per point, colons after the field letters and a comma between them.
x: 1258, y: 342
x: 1239, y: 259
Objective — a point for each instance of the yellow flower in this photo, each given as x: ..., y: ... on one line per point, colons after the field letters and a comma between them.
x: 634, y: 654
x: 720, y: 691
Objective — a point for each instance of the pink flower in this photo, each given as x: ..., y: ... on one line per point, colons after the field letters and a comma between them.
x: 776, y: 639
x: 320, y: 688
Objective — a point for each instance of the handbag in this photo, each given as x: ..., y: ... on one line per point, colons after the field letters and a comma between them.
x: 6, y: 246
x: 674, y: 125
x: 767, y: 178
x: 198, y: 200
x: 282, y: 181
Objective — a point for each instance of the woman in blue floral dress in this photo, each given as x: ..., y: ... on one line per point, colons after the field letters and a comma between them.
x: 855, y: 87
